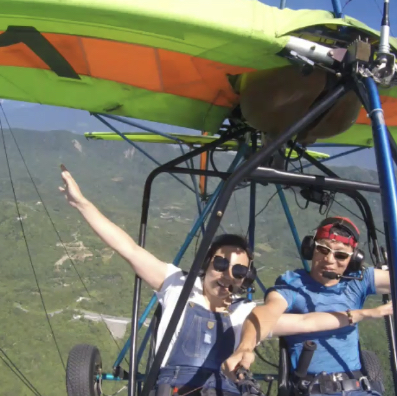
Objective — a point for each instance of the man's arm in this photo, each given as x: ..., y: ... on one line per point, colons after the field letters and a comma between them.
x: 256, y: 328
x: 382, y: 281
x: 290, y: 324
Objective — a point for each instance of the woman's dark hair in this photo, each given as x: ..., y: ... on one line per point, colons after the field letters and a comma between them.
x: 225, y: 240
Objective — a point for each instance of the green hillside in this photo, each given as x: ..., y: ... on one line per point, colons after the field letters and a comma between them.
x: 69, y: 259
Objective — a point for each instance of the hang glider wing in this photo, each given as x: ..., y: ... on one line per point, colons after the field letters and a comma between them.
x: 172, y: 62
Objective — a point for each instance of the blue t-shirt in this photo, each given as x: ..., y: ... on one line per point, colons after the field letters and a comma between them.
x: 337, y: 350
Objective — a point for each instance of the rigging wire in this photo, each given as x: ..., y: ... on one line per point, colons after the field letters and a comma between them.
x: 264, y: 208
x: 238, y: 216
x: 139, y: 149
x: 265, y: 360
x: 27, y: 246
x: 15, y: 370
x: 12, y: 366
x: 329, y: 206
x: 52, y: 223
x: 358, y: 217
x: 296, y: 199
x: 346, y: 3
x: 369, y: 239
x: 381, y: 13
x: 363, y: 218
x: 267, y: 203
x: 19, y: 377
x: 195, y: 186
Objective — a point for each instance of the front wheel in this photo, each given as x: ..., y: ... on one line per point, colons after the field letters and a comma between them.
x: 372, y: 368
x: 82, y: 370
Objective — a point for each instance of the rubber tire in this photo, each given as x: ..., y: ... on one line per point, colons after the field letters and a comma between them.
x: 84, y: 363
x: 371, y: 366
x: 373, y: 370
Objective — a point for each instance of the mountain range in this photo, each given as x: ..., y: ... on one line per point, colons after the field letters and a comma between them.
x: 39, y: 117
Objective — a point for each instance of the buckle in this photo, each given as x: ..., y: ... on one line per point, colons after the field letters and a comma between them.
x: 364, y: 381
x: 327, y: 384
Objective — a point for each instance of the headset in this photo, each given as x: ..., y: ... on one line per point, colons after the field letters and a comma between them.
x: 324, y: 231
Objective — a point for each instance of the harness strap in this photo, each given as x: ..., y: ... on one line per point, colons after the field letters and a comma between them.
x: 332, y: 383
x: 356, y: 374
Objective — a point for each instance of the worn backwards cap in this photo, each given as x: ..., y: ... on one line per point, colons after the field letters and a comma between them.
x: 324, y: 230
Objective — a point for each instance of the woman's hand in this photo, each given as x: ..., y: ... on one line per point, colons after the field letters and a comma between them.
x: 71, y: 189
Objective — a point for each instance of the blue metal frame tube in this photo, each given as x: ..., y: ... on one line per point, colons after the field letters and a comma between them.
x: 178, y: 141
x: 252, y: 209
x: 261, y: 285
x: 110, y: 126
x: 337, y: 8
x: 291, y: 224
x: 183, y: 249
x: 387, y: 182
x: 109, y: 377
x: 156, y: 132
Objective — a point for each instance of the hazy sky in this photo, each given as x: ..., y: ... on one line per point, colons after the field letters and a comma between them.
x: 367, y: 11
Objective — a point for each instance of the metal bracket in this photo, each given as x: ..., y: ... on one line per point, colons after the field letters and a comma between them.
x: 385, y: 69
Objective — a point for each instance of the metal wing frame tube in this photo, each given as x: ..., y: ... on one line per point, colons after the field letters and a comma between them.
x: 268, y: 175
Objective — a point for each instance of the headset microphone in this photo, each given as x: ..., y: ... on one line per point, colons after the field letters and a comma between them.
x: 235, y: 290
x: 334, y: 275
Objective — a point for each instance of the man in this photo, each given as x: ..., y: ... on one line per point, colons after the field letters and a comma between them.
x: 334, y: 253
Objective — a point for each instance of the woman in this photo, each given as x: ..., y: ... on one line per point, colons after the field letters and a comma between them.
x: 209, y: 329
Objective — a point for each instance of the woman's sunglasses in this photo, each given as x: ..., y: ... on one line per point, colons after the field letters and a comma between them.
x: 221, y: 264
x: 338, y: 254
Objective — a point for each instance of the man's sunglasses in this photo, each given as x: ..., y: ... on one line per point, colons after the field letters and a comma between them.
x: 338, y: 254
x: 221, y: 264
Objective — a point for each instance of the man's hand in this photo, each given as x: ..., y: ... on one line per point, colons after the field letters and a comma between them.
x: 238, y: 359
x: 382, y: 310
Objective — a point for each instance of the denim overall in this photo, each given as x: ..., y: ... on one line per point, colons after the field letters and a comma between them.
x: 205, y: 341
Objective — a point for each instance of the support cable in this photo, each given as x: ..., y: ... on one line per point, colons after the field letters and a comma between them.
x: 27, y: 247
x: 53, y: 226
x: 15, y: 370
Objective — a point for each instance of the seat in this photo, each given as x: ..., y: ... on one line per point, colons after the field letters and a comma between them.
x: 370, y: 367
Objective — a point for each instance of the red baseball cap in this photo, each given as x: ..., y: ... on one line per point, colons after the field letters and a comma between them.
x: 324, y: 230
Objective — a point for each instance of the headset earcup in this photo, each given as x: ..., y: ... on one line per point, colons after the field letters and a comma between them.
x: 250, y: 278
x: 356, y: 261
x: 307, y: 247
x: 204, y: 266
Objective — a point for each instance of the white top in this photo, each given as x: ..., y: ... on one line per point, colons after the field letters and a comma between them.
x: 168, y: 297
